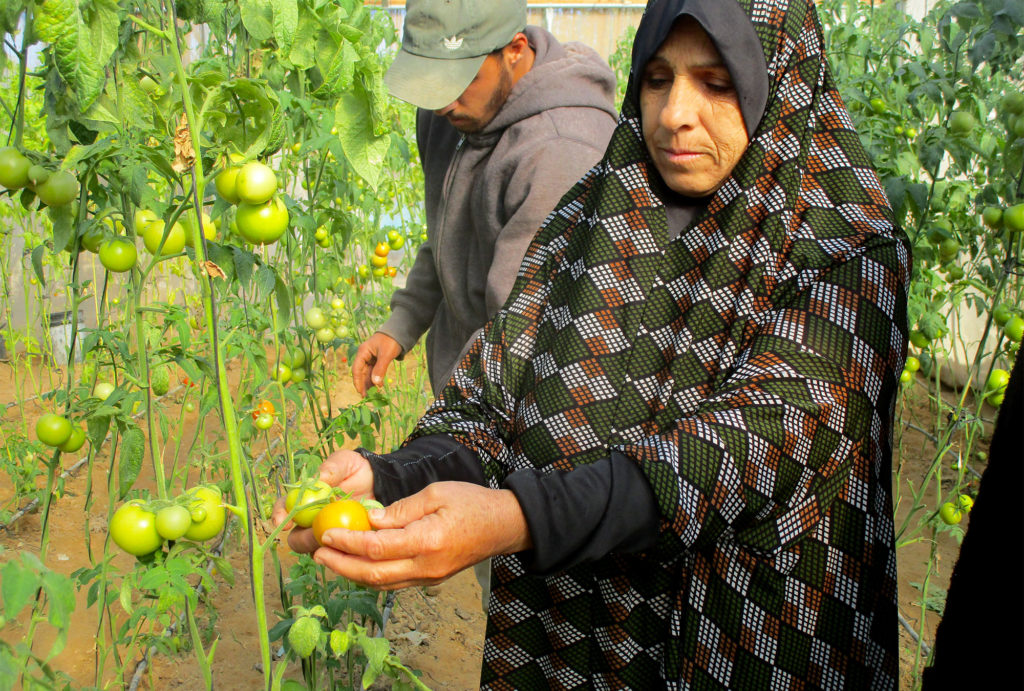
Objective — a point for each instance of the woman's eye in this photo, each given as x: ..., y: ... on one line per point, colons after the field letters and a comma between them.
x: 656, y: 82
x: 719, y: 87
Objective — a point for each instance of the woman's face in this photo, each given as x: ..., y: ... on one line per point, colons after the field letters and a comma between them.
x: 690, y: 112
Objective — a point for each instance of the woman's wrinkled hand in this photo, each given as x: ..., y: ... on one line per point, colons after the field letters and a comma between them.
x: 428, y: 537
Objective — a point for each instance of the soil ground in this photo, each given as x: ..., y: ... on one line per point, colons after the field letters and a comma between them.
x: 437, y: 631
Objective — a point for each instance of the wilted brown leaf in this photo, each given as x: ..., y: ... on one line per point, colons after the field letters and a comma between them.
x: 214, y: 271
x: 184, y: 154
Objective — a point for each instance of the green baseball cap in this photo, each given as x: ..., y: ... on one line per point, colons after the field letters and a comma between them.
x: 444, y: 43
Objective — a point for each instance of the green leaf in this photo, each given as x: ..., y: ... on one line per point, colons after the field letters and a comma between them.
x: 133, y: 451
x: 286, y: 21
x: 258, y: 18
x: 18, y: 587
x: 62, y: 229
x: 84, y: 36
x: 364, y: 151
x: 37, y: 263
x: 303, y: 53
x: 375, y: 649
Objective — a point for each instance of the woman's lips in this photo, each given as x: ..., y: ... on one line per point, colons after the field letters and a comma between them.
x: 681, y: 156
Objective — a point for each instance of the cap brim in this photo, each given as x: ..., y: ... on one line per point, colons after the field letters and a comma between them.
x: 430, y: 83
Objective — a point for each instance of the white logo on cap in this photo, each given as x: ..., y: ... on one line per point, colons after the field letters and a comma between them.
x: 453, y: 43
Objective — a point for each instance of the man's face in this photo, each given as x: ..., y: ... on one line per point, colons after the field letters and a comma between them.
x: 483, y: 98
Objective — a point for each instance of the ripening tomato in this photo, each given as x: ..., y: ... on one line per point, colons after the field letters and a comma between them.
x: 133, y: 529
x: 382, y: 249
x: 319, y: 491
x: 344, y: 513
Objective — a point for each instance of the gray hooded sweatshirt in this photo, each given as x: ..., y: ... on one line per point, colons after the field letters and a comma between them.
x: 487, y: 193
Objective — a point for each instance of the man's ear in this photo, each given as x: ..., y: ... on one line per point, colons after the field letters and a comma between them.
x: 515, y: 49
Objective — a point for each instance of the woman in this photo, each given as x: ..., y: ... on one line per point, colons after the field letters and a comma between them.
x: 676, y: 435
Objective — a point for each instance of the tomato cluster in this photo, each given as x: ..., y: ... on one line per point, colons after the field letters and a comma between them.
x: 313, y: 508
x: 328, y: 322
x: 140, y: 528
x: 261, y: 217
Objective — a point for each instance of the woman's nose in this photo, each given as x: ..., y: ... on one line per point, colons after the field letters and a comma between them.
x: 681, y: 103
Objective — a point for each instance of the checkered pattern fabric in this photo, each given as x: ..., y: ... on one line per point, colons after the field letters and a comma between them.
x: 749, y: 367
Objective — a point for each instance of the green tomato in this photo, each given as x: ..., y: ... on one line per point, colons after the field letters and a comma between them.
x: 153, y: 232
x: 262, y: 224
x: 996, y: 400
x: 315, y: 318
x: 1013, y: 102
x: 325, y: 335
x: 296, y: 358
x: 133, y: 529
x: 320, y: 492
x: 918, y: 339
x: 1001, y: 314
x: 118, y: 255
x: 283, y: 373
x: 37, y: 174
x: 59, y: 189
x: 53, y: 429
x: 75, y: 441
x: 13, y: 168
x: 992, y: 216
x: 878, y: 105
x: 906, y: 377
x: 997, y: 380
x: 912, y: 365
x: 92, y: 238
x: 965, y: 503
x: 213, y: 515
x: 298, y: 374
x: 102, y: 390
x: 961, y: 123
x: 264, y: 421
x: 172, y: 522
x: 188, y: 222
x: 1013, y: 218
x: 189, y: 407
x: 950, y: 514
x: 949, y: 248
x: 256, y: 183
x: 1014, y: 329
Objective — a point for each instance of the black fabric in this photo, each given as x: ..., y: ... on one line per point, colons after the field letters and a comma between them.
x: 727, y: 24
x: 424, y: 460
x: 585, y: 514
x: 982, y: 627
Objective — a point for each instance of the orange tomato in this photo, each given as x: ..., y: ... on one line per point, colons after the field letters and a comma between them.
x: 344, y: 513
x: 382, y: 249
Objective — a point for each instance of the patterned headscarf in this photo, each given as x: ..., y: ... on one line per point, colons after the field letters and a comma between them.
x: 748, y: 366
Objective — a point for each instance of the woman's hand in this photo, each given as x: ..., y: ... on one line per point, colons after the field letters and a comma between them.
x: 345, y: 469
x: 428, y: 537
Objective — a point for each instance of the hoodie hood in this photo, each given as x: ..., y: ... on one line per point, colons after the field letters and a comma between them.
x: 563, y: 75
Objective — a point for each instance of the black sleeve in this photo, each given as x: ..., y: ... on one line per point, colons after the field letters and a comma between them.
x: 585, y: 514
x: 434, y: 458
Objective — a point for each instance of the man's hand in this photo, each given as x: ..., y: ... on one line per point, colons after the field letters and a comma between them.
x: 428, y: 537
x: 372, y: 360
x: 345, y: 469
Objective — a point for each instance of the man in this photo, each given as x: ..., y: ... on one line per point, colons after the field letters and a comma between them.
x: 517, y: 119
